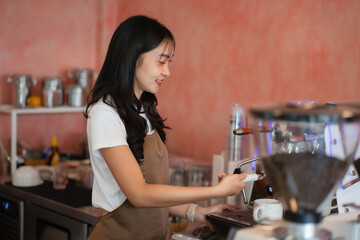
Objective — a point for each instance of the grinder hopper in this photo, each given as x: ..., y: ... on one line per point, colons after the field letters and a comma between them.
x: 299, y: 158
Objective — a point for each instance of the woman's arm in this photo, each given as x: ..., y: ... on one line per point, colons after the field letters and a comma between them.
x: 128, y: 175
x: 179, y: 210
x: 201, y: 212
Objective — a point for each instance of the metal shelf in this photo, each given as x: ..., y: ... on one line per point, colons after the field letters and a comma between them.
x: 14, y: 112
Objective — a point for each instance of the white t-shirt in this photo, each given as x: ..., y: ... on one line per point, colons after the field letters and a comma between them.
x: 105, y: 129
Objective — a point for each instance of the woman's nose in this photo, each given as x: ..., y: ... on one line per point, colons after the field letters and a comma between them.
x: 166, y: 70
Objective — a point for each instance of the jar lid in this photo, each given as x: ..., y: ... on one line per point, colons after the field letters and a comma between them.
x: 53, y: 82
x: 80, y: 73
x: 16, y: 78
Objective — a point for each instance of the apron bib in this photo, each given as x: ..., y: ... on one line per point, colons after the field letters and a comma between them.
x: 129, y: 222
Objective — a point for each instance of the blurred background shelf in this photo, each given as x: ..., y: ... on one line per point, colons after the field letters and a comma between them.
x: 14, y: 112
x: 9, y: 109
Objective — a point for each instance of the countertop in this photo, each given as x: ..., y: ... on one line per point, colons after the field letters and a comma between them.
x: 86, y: 214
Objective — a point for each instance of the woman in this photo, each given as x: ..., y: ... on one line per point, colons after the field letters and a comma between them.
x: 126, y: 140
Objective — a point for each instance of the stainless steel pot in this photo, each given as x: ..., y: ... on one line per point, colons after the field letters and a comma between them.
x: 53, y: 91
x: 21, y: 88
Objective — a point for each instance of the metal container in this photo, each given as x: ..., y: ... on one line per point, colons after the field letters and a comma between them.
x: 75, y: 96
x: 83, y: 78
x: 53, y: 91
x: 21, y: 89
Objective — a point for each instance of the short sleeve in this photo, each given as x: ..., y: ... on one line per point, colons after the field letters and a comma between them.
x: 105, y: 128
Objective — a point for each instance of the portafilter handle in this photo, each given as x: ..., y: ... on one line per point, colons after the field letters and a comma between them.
x: 237, y: 170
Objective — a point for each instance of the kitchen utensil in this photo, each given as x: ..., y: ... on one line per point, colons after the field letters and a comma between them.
x: 46, y: 172
x: 21, y: 88
x: 84, y: 78
x: 30, y: 154
x: 75, y: 96
x: 26, y: 176
x: 53, y: 91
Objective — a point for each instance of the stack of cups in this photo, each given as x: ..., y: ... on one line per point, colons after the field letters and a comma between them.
x: 235, y: 145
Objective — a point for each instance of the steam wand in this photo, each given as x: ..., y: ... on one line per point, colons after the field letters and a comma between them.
x: 255, y: 177
x: 249, y: 178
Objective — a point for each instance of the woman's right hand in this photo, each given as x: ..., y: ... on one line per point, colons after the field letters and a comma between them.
x: 231, y: 184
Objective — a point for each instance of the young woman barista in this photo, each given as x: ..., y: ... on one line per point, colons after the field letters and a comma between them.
x: 126, y: 140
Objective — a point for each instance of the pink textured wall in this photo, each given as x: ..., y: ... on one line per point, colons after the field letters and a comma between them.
x: 46, y: 38
x: 227, y: 52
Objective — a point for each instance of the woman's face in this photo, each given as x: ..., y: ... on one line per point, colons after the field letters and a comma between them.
x: 152, y: 68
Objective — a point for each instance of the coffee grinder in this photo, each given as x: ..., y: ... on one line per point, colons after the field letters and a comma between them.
x: 303, y: 163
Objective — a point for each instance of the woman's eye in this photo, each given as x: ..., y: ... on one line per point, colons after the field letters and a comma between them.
x: 164, y: 62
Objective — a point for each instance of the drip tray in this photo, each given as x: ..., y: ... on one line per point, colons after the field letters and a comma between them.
x: 72, y: 195
x: 226, y: 220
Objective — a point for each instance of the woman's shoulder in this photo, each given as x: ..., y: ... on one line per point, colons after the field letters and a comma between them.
x: 101, y: 106
x: 101, y: 111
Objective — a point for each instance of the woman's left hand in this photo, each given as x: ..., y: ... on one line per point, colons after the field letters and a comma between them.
x: 201, y: 212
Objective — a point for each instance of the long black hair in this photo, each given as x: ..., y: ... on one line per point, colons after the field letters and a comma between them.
x: 133, y: 37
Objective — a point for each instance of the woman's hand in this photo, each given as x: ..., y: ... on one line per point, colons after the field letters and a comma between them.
x: 221, y: 176
x: 201, y: 212
x: 230, y: 184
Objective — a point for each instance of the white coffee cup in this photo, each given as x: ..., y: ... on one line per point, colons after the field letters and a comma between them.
x: 267, y: 209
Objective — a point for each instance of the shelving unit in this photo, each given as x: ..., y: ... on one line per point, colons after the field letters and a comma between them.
x: 14, y: 112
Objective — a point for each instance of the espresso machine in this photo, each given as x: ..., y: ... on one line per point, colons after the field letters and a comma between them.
x: 306, y: 165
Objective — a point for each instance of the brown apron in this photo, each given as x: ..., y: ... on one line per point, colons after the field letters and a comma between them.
x: 129, y: 222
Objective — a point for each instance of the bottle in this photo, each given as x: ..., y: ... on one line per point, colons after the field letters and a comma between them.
x: 55, y: 153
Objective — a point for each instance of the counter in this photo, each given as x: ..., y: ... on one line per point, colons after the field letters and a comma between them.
x: 86, y: 214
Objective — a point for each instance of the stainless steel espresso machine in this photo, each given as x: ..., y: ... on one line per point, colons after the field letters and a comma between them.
x: 305, y: 165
